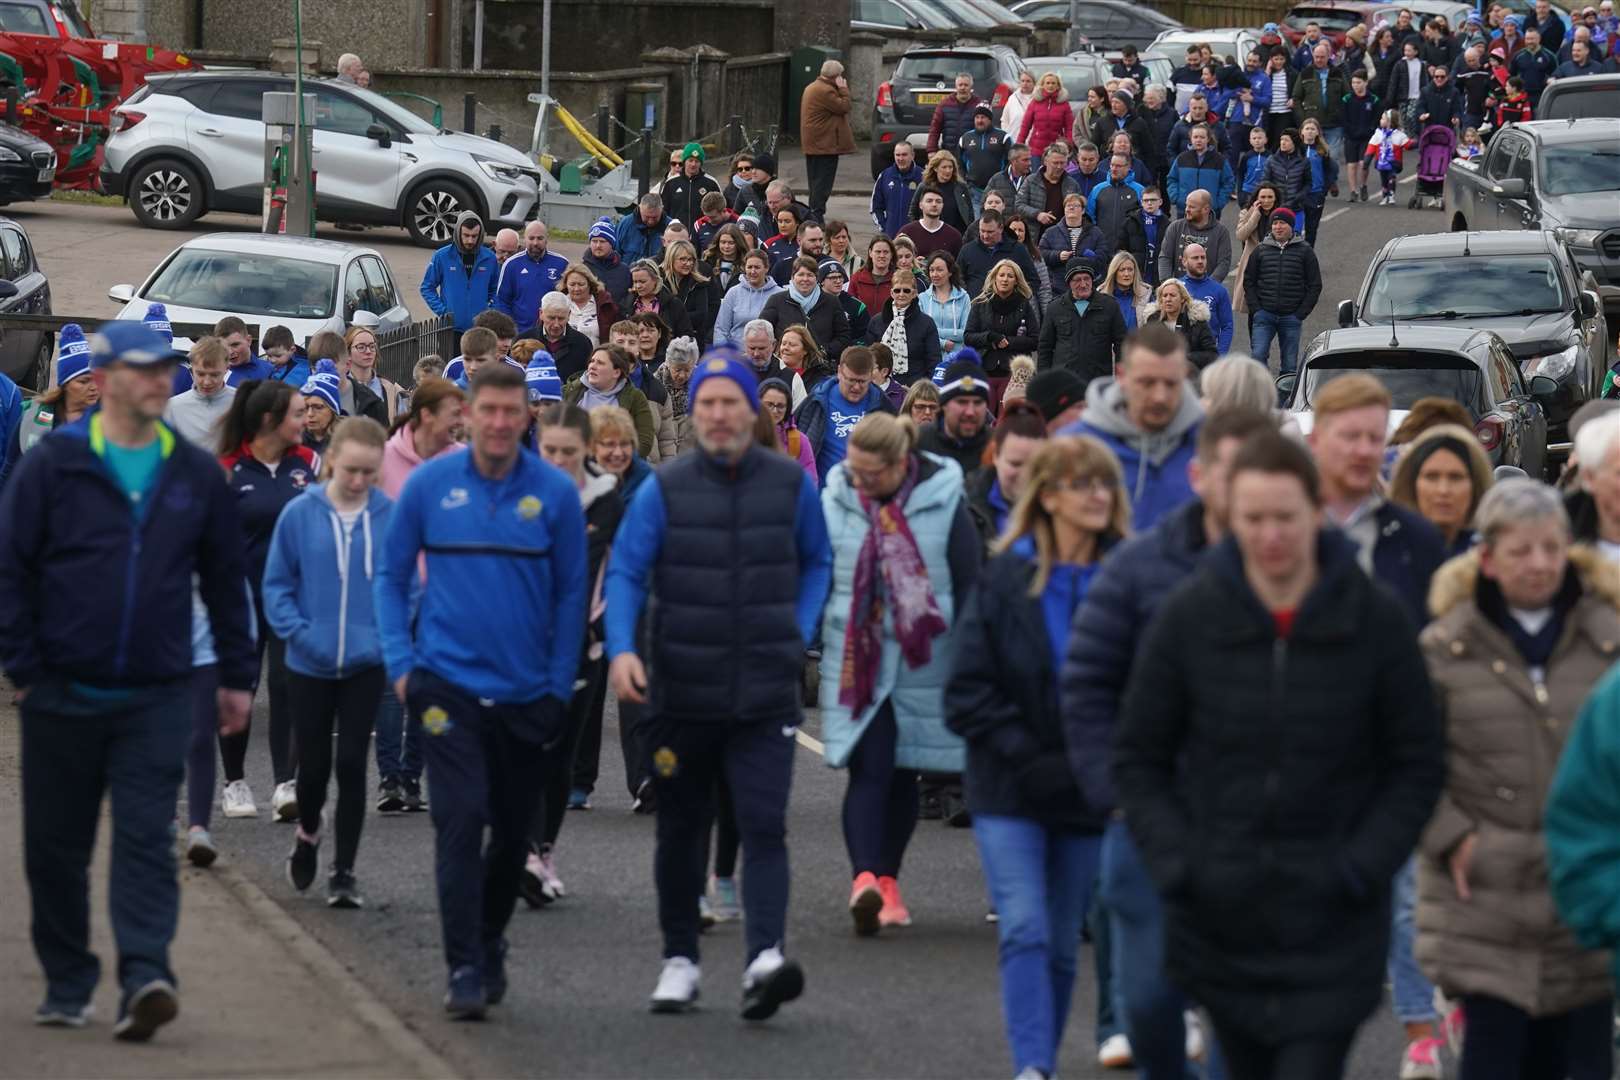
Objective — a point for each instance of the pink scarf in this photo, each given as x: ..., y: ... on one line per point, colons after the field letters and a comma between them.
x: 889, y: 546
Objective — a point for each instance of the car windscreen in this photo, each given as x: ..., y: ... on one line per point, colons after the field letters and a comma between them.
x: 1599, y: 99
x: 245, y: 284
x: 1456, y: 288
x: 407, y: 120
x: 944, y: 67
x: 1575, y: 169
x: 1333, y: 20
x: 1407, y: 376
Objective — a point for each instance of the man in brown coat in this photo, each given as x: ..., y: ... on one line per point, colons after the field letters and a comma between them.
x: 825, y: 132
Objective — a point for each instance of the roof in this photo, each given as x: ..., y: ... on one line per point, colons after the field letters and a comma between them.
x: 1411, y: 337
x: 1568, y: 131
x: 1215, y: 32
x: 287, y: 247
x: 1452, y: 245
x: 195, y: 74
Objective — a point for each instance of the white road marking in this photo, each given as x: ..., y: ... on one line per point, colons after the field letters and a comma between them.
x: 813, y: 745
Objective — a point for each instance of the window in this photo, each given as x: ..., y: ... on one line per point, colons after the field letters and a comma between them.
x: 1506, y: 371
x: 241, y: 98
x: 246, y: 284
x: 1499, y: 160
x: 355, y: 296
x: 17, y: 261
x: 882, y: 12
x: 25, y: 19
x: 381, y: 285
x: 341, y: 113
x: 1478, y: 286
x: 1521, y: 168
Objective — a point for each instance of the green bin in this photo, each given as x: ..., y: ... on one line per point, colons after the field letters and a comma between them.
x: 804, y: 68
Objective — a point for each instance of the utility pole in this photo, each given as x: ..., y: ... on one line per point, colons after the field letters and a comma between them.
x: 1073, y: 36
x: 300, y: 184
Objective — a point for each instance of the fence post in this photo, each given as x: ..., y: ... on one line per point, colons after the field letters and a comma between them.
x: 604, y: 125
x: 646, y: 156
x: 469, y: 113
x: 733, y: 134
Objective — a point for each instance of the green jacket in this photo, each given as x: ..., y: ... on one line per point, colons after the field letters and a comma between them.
x: 632, y: 401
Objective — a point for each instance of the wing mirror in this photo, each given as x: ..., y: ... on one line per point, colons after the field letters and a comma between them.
x: 1347, y: 313
x: 1510, y: 188
x: 1589, y: 304
x: 1543, y: 389
x: 381, y: 135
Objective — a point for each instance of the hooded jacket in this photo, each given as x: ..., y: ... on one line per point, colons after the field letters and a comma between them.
x: 1284, y: 279
x: 1506, y: 731
x: 891, y: 198
x: 1048, y: 117
x: 331, y: 632
x: 1154, y: 462
x: 1193, y: 326
x: 613, y: 273
x: 449, y: 289
x: 400, y: 460
x: 1275, y: 785
x: 740, y: 306
x: 1089, y: 344
x: 1212, y: 173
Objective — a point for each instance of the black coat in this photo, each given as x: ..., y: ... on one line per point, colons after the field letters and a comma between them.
x: 1002, y: 698
x: 1087, y: 346
x: 1202, y: 348
x: 923, y: 351
x: 702, y: 300
x: 670, y: 309
x: 958, y: 204
x: 827, y: 322
x: 683, y: 197
x: 975, y: 261
x: 1275, y: 786
x: 1015, y: 319
x: 1282, y: 279
x: 572, y: 353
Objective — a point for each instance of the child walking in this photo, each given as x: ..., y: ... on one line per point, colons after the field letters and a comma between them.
x: 1384, y: 151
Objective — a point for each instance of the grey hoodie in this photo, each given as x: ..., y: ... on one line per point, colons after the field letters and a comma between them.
x: 1154, y: 463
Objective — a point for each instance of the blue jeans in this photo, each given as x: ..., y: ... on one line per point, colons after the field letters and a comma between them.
x: 1152, y: 1005
x: 1284, y: 328
x: 399, y: 745
x: 1413, y: 994
x: 73, y: 753
x: 1040, y: 882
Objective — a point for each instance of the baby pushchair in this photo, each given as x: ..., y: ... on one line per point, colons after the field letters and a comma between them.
x: 1435, y: 147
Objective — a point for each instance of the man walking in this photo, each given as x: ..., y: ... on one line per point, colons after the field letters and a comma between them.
x: 487, y: 666
x: 1201, y: 286
x: 1084, y: 330
x: 528, y: 276
x: 727, y: 646
x: 1282, y: 283
x: 1199, y: 226
x: 825, y: 132
x: 894, y: 189
x: 461, y: 277
x: 104, y: 526
x: 954, y: 115
x: 982, y: 151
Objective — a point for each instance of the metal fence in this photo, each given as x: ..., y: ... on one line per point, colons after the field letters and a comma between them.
x: 756, y: 90
x: 399, y: 350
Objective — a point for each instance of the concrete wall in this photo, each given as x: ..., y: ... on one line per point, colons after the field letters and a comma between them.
x: 586, y: 34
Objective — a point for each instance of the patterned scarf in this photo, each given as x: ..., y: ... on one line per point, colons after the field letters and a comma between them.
x: 889, y: 547
x: 894, y: 336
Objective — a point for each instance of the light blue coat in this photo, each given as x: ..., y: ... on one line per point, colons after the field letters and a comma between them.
x: 918, y: 694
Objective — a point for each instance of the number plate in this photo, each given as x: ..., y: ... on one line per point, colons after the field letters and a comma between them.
x: 46, y: 175
x: 928, y: 99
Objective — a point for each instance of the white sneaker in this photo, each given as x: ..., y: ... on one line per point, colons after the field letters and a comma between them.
x: 770, y: 981
x: 1115, y: 1053
x: 285, y: 801
x: 549, y: 881
x: 1195, y: 1035
x: 238, y: 800
x: 677, y: 989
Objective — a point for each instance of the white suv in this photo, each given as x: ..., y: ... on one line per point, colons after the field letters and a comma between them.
x: 191, y: 142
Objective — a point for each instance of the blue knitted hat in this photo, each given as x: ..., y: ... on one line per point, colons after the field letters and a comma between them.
x: 543, y: 381
x: 72, y: 354
x: 157, y: 318
x: 724, y: 362
x: 604, y: 229
x: 325, y: 383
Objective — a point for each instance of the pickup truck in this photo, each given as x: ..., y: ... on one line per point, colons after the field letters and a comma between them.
x: 1551, y: 175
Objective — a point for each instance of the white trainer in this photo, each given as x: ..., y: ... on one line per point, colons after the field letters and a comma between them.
x: 677, y: 989
x: 1195, y: 1035
x: 1115, y: 1053
x: 238, y: 800
x: 285, y: 801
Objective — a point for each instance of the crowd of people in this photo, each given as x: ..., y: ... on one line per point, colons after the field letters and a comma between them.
x: 1274, y: 718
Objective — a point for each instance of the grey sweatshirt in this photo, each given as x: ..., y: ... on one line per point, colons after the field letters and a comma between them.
x: 195, y: 416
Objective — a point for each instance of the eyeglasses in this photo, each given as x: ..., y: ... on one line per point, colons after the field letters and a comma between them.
x: 363, y: 346
x: 902, y: 292
x: 1090, y: 485
x: 776, y: 406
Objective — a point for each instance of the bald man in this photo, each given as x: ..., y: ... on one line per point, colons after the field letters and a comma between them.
x: 507, y: 243
x: 528, y: 276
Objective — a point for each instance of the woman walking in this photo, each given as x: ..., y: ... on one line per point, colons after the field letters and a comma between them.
x: 1002, y: 323
x: 904, y: 549
x: 1039, y: 843
x: 318, y: 601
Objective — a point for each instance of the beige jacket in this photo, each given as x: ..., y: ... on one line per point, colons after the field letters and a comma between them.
x: 1504, y: 735
x: 1249, y: 234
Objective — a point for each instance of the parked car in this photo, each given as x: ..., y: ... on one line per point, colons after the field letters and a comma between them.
x: 61, y: 19
x: 1077, y: 71
x: 27, y: 166
x: 1107, y: 24
x: 1235, y: 42
x: 25, y: 355
x: 883, y: 16
x: 305, y: 285
x: 1335, y: 17
x: 1581, y: 98
x: 925, y: 77
x: 1160, y: 66
x: 1522, y: 286
x: 190, y: 142
x: 1472, y: 367
x: 1549, y: 174
x: 1456, y: 13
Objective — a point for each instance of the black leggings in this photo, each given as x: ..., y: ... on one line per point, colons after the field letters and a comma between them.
x: 559, y: 766
x: 583, y: 760
x: 1320, y: 1057
x: 352, y: 700
x: 727, y: 839
x: 880, y: 804
x: 283, y: 743
x: 1503, y: 1042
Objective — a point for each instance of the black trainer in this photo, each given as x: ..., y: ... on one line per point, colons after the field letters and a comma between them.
x: 147, y: 1009
x: 342, y: 891
x: 495, y: 972
x: 390, y: 797
x: 302, y: 862
x: 465, y: 999
x: 414, y: 803
x: 646, y: 798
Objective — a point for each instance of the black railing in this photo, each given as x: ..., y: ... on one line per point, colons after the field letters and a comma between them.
x: 399, y: 350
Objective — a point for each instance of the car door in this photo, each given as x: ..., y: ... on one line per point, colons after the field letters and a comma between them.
x: 1527, y: 420
x: 33, y: 297
x: 1520, y: 212
x: 1095, y: 22
x: 227, y: 135
x: 391, y: 312
x: 354, y: 169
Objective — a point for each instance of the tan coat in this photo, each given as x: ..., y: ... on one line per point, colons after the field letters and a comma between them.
x: 1249, y: 234
x: 1504, y: 735
x: 824, y: 119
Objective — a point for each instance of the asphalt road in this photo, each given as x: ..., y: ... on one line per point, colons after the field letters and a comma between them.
x: 922, y: 1002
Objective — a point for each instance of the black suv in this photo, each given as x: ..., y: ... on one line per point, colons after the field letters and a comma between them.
x: 924, y: 78
x: 1523, y: 286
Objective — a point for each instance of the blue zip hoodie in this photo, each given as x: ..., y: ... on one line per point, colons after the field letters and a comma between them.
x: 1253, y: 164
x: 10, y: 413
x: 330, y: 632
x: 503, y: 613
x: 449, y: 290
x: 891, y: 198
x: 521, y: 284
x: 90, y: 590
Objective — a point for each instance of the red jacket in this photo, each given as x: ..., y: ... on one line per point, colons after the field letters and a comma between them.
x: 1046, y: 119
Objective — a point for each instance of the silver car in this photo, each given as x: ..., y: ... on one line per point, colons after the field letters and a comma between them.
x: 190, y: 142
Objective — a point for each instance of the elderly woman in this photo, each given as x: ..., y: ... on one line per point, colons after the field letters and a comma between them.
x: 590, y: 309
x: 921, y: 404
x: 1039, y: 841
x: 905, y: 553
x: 903, y: 326
x: 606, y: 381
x: 1524, y: 626
x: 674, y: 375
x: 1236, y: 381
x: 1443, y: 475
x: 1190, y: 318
x: 1594, y: 509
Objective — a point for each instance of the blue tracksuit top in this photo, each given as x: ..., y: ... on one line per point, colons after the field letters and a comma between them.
x: 449, y: 290
x: 891, y: 198
x: 523, y: 281
x: 257, y: 367
x: 320, y: 604
x: 503, y: 613
x: 640, y: 540
x: 1219, y: 300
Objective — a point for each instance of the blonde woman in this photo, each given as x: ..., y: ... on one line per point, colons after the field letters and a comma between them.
x: 1039, y: 842
x: 692, y: 286
x: 921, y: 404
x: 1048, y: 117
x: 1003, y: 322
x: 942, y: 174
x: 590, y: 309
x: 1124, y: 283
x: 1443, y: 475
x: 1241, y: 383
x: 1176, y: 307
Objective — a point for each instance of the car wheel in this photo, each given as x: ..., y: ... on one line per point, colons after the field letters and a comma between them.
x: 431, y: 211
x: 39, y: 371
x: 166, y: 194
